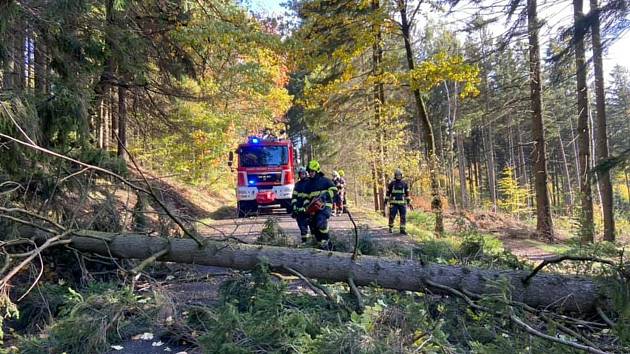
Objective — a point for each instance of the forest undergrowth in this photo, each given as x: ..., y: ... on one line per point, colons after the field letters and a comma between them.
x: 58, y: 304
x: 263, y: 311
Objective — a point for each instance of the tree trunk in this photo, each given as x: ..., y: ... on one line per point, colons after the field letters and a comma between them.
x: 568, y: 190
x: 102, y: 119
x: 8, y: 68
x: 375, y: 189
x: 114, y: 114
x: 461, y: 164
x: 576, y: 153
x: 544, y: 226
x: 586, y: 218
x: 595, y: 181
x: 378, y: 101
x: 436, y: 201
x: 601, y: 147
x: 122, y: 122
x: 574, y: 294
x: 523, y: 178
x: 490, y: 163
x: 451, y: 118
x: 40, y: 66
x: 18, y: 58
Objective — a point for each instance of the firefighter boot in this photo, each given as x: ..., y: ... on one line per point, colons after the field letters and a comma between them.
x: 325, y: 245
x: 403, y: 231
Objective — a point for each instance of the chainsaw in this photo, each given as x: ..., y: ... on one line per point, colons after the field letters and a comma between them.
x: 316, y: 205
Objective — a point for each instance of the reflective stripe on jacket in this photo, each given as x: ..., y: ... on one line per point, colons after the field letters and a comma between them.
x: 320, y: 186
x: 299, y: 195
x: 398, y: 192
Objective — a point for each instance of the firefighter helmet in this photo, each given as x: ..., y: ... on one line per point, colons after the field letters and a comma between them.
x: 335, y: 174
x: 341, y: 173
x: 313, y: 165
x: 398, y: 174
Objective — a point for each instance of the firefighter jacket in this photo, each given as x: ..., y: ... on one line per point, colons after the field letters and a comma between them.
x: 398, y: 192
x: 340, y: 183
x: 320, y: 186
x: 299, y: 195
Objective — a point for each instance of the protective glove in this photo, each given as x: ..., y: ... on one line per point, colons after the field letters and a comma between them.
x: 294, y: 214
x: 386, y: 200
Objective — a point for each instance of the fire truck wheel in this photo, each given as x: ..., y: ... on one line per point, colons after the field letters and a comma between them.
x: 246, y: 208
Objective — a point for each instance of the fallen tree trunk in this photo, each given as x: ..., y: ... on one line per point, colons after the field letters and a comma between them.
x: 569, y: 293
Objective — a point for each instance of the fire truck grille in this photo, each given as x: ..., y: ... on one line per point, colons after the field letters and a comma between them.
x: 265, y: 178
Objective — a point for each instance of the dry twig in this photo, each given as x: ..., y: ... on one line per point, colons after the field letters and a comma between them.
x: 50, y: 242
x: 149, y: 260
x: 357, y: 294
x: 559, y: 259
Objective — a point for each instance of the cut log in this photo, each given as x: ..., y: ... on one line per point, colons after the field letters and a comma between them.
x: 568, y: 293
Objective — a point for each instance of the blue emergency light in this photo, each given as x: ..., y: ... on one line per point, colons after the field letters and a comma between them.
x: 252, y: 182
x: 255, y: 140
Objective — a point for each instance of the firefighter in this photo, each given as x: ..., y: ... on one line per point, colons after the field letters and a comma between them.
x: 321, y: 193
x: 344, y: 199
x: 298, y: 210
x: 340, y: 183
x: 398, y: 198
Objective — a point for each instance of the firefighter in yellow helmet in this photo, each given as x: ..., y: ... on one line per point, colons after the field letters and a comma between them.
x: 321, y: 192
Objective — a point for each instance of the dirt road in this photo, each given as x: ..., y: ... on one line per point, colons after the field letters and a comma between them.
x: 248, y: 229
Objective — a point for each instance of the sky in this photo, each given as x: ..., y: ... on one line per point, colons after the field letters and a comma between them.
x: 557, y: 15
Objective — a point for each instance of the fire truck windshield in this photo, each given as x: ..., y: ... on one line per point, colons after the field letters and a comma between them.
x: 260, y: 156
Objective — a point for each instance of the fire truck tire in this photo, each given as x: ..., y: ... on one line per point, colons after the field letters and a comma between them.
x: 246, y: 208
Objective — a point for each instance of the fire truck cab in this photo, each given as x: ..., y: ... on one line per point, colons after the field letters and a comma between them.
x: 265, y: 174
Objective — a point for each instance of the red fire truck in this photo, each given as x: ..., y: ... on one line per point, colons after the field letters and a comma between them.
x: 265, y: 174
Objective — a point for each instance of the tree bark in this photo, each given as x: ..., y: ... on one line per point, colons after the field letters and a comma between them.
x: 586, y: 217
x: 601, y: 147
x: 18, y: 57
x: 544, y: 225
x: 450, y: 131
x: 40, y: 65
x: 122, y: 122
x: 461, y: 163
x: 436, y: 200
x: 568, y: 190
x: 8, y: 64
x: 573, y: 294
x: 378, y: 101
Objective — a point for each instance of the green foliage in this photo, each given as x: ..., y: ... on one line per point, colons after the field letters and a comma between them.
x: 258, y: 313
x: 442, y: 67
x: 89, y: 321
x: 16, y: 111
x: 8, y: 310
x: 261, y: 314
x: 272, y: 234
x: 513, y: 197
x: 101, y: 158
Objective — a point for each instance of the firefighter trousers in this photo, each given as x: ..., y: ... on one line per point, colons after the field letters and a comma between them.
x: 303, y: 221
x: 319, y: 224
x: 395, y: 209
